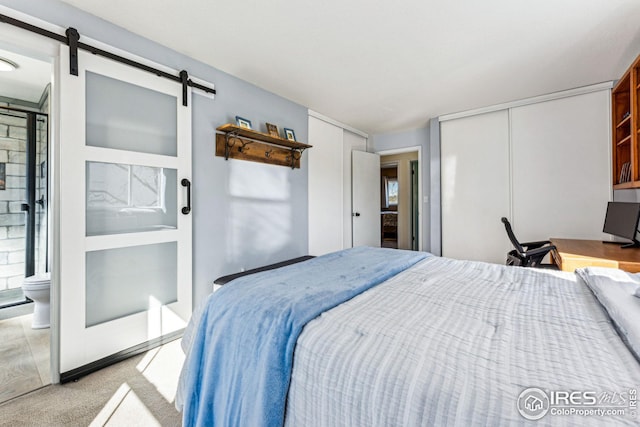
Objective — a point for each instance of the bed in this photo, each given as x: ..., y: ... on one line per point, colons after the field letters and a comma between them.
x: 427, y: 341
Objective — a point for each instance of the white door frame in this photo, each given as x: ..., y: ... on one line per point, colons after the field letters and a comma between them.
x: 412, y: 149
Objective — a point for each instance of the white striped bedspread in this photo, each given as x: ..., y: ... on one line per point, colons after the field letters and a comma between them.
x: 451, y: 342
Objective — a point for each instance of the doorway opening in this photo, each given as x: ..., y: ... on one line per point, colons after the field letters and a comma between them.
x: 389, y: 208
x: 24, y: 227
x: 400, y: 194
x: 23, y: 194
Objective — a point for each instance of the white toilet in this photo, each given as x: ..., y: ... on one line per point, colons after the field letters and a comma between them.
x: 37, y: 288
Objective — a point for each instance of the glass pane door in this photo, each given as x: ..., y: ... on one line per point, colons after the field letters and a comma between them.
x: 125, y: 243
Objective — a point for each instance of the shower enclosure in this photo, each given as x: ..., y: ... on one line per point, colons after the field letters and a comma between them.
x: 23, y: 200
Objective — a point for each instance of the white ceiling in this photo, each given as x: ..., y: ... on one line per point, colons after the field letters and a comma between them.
x: 382, y: 66
x: 28, y: 81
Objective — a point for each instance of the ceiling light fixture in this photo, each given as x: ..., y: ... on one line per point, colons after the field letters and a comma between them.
x: 6, y: 65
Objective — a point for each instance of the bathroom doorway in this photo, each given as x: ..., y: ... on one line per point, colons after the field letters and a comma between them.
x: 23, y: 195
x: 24, y: 225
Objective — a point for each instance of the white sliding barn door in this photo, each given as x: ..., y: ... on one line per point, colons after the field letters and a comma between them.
x: 561, y: 178
x: 125, y: 244
x: 365, y: 172
x: 475, y: 186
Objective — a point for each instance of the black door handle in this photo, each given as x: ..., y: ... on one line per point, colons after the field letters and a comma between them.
x: 186, y: 183
x: 356, y: 214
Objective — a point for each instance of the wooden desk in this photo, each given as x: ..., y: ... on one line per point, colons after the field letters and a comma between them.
x: 571, y: 254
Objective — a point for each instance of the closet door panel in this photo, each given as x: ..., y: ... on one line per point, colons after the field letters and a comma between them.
x: 326, y: 201
x: 561, y: 178
x: 475, y: 186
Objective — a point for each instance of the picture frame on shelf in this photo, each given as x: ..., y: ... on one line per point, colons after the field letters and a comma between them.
x: 289, y: 134
x: 273, y: 130
x: 243, y: 123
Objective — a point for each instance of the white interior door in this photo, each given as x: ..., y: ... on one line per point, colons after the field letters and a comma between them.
x: 352, y: 142
x: 125, y: 243
x: 366, y: 198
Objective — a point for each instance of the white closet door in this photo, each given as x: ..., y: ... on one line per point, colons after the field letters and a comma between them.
x: 325, y: 187
x: 561, y: 178
x: 475, y: 186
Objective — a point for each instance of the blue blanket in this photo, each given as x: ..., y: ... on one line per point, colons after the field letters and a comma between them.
x: 239, y: 364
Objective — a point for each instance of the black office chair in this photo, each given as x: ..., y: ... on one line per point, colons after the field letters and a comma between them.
x: 529, y: 254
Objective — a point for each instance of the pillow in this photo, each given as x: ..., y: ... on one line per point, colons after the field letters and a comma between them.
x: 619, y: 293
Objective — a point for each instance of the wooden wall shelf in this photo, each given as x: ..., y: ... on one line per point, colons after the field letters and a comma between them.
x: 240, y: 143
x: 625, y: 110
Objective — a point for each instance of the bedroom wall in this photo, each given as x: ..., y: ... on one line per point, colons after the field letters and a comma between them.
x: 411, y: 138
x: 245, y: 214
x: 624, y: 196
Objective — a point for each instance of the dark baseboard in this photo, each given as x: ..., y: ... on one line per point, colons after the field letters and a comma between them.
x: 77, y: 373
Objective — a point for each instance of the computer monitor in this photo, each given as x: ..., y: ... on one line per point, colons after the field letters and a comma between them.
x: 622, y: 220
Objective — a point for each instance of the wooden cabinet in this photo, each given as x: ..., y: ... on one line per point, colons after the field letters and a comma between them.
x: 625, y: 108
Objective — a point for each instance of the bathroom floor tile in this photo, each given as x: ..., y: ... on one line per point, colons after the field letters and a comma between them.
x: 11, y: 330
x: 18, y: 373
x: 39, y: 344
x: 24, y: 353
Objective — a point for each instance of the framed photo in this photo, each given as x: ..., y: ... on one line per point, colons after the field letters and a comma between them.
x: 273, y: 130
x: 290, y: 134
x: 243, y: 123
x: 3, y: 176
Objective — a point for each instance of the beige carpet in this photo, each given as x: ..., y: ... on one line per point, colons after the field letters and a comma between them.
x: 136, y: 392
